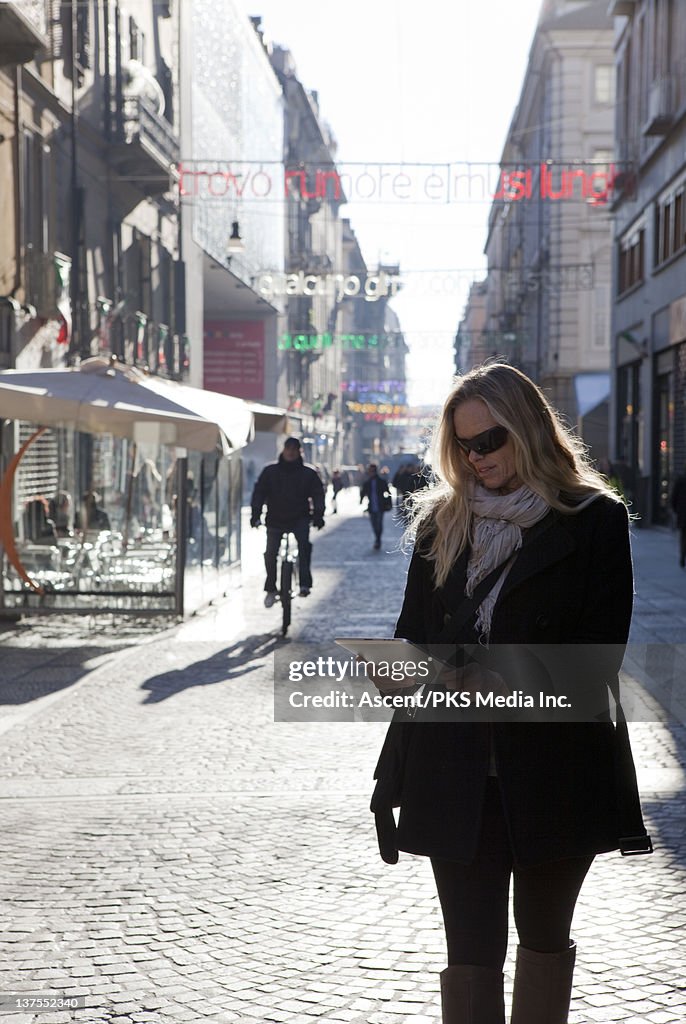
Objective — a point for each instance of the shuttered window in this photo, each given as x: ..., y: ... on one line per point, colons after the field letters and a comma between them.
x: 38, y: 473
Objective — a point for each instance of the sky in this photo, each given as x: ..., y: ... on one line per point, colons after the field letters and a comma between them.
x: 418, y: 84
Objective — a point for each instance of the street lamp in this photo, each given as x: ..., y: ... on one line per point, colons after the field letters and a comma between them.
x: 235, y: 242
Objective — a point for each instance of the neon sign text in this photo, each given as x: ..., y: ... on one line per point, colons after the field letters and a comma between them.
x: 377, y: 409
x: 309, y: 342
x: 595, y: 186
x: 456, y: 182
x: 337, y: 286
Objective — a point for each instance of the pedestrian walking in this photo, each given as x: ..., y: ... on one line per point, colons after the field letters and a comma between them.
x: 337, y: 487
x: 520, y: 541
x: 413, y: 479
x: 402, y: 483
x: 294, y: 496
x: 678, y: 499
x: 379, y: 500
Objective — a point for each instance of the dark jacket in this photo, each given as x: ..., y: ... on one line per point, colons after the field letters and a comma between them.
x: 572, y: 585
x: 678, y: 501
x: 290, y: 490
x: 384, y: 495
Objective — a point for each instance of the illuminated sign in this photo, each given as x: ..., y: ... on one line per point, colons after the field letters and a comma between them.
x: 594, y: 186
x: 363, y: 386
x: 336, y: 286
x: 568, y: 277
x: 310, y: 342
x: 377, y: 408
x: 453, y: 182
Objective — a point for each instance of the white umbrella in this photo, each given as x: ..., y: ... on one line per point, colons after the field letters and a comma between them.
x: 103, y: 397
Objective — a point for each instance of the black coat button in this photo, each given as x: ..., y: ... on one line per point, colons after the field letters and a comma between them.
x: 542, y: 621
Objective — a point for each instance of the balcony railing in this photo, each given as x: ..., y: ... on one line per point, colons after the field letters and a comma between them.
x: 135, y: 339
x: 146, y: 146
x: 22, y: 30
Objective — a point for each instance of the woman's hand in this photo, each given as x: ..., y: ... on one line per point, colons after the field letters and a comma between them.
x: 474, y: 678
x: 387, y: 685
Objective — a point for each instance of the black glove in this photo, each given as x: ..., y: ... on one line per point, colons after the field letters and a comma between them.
x: 318, y: 523
x: 255, y: 521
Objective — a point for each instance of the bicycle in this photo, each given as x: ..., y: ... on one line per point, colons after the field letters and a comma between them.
x: 289, y: 570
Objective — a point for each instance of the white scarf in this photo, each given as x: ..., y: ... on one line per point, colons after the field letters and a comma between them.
x: 498, y: 523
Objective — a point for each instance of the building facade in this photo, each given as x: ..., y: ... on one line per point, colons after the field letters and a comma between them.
x: 649, y: 267
x: 231, y: 205
x: 91, y: 265
x: 472, y: 344
x: 549, y: 241
x: 89, y: 221
x: 89, y: 240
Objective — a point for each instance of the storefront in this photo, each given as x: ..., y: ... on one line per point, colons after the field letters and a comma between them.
x: 93, y: 521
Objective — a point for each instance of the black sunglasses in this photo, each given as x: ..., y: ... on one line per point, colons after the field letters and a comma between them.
x: 485, y: 443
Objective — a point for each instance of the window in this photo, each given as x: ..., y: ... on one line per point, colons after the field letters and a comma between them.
x: 604, y: 84
x: 136, y: 42
x: 81, y: 27
x: 631, y: 260
x: 601, y: 311
x: 670, y: 224
x: 166, y: 80
x: 138, y: 273
x: 34, y: 197
x: 602, y: 161
x: 6, y: 318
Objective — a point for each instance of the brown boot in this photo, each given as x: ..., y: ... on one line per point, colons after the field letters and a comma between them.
x: 472, y: 995
x: 542, y: 986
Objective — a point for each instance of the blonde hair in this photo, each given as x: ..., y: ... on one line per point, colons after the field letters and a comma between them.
x: 548, y: 457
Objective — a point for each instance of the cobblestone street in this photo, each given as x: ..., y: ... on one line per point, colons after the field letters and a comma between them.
x: 173, y: 854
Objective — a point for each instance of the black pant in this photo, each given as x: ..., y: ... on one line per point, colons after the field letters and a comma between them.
x: 376, y: 519
x: 301, y: 532
x: 474, y: 897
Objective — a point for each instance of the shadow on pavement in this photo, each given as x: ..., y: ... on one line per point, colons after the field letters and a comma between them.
x: 666, y: 816
x: 233, y: 662
x: 27, y: 674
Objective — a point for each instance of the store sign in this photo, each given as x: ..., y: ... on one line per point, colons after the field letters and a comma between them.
x: 334, y: 286
x: 234, y: 358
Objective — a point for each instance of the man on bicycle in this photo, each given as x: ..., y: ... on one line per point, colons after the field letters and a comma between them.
x: 294, y: 496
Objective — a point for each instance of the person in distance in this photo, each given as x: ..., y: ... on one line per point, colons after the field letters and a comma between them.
x: 294, y: 496
x: 379, y: 500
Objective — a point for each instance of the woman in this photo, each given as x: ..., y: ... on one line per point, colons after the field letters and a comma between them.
x: 520, y: 542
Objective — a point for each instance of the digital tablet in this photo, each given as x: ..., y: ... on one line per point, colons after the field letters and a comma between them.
x: 388, y: 649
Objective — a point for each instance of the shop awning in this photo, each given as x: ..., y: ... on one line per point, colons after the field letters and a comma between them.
x: 269, y: 418
x: 591, y: 389
x: 104, y: 397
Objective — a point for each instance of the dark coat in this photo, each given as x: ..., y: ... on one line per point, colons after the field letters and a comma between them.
x: 572, y: 585
x: 383, y: 493
x: 291, y: 491
x: 678, y: 501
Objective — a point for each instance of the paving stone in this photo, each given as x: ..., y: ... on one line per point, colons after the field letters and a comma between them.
x: 181, y: 857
